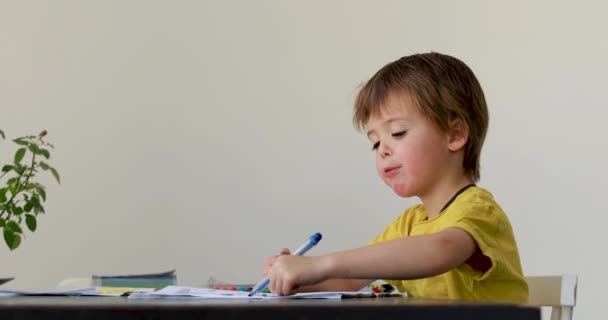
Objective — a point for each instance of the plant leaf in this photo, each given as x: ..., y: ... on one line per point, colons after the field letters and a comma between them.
x: 33, y: 148
x: 21, y: 142
x: 16, y: 242
x: 44, y: 152
x: 19, y: 169
x: 2, y: 223
x: 30, y: 221
x: 12, y: 240
x: 11, y: 181
x: 55, y: 174
x: 41, y: 191
x: 28, y: 206
x: 8, y: 237
x: 12, y: 189
x: 17, y: 211
x: 3, y: 195
x: 7, y: 168
x: 35, y: 201
x: 43, y: 165
x: 2, y: 134
x: 13, y: 226
x: 19, y: 155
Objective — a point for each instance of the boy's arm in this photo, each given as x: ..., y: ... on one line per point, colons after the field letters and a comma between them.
x: 405, y: 258
x: 327, y: 285
x: 337, y: 285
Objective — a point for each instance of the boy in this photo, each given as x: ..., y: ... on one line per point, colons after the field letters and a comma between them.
x: 426, y: 118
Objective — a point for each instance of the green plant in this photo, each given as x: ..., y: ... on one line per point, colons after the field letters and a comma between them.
x: 21, y: 198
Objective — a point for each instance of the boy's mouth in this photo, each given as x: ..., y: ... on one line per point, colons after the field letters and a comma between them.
x: 391, y: 171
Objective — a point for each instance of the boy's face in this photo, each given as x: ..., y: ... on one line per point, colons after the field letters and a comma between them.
x: 411, y: 151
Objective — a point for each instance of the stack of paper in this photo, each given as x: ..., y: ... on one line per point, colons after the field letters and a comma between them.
x: 92, y: 291
x: 176, y: 292
x: 150, y: 280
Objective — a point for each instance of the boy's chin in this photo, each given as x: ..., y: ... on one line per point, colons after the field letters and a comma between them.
x: 402, y: 191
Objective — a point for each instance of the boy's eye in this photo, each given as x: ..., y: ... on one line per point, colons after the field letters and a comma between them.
x: 375, y: 146
x: 399, y: 134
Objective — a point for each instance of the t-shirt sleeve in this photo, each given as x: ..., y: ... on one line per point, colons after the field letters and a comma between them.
x: 481, y: 222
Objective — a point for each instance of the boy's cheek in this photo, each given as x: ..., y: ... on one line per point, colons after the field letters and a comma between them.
x: 379, y: 166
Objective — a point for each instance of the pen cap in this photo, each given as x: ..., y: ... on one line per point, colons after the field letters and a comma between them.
x: 315, y: 238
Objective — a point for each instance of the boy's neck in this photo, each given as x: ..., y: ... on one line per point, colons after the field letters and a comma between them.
x: 438, y: 197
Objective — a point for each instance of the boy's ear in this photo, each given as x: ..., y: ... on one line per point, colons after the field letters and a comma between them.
x: 458, y: 135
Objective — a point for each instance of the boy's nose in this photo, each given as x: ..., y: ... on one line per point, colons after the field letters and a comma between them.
x: 384, y: 150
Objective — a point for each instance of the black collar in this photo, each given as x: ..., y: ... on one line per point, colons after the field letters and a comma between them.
x: 456, y: 195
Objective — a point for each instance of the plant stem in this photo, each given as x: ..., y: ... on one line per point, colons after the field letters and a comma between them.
x: 27, y: 178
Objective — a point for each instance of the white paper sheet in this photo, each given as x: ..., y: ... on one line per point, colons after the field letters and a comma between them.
x: 173, y: 292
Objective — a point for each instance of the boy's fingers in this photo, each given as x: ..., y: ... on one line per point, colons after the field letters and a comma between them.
x: 270, y: 260
x: 274, y: 285
x: 295, y: 290
x: 285, y: 288
x: 288, y: 288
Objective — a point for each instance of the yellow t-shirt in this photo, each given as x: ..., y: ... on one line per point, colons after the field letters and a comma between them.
x: 476, y: 212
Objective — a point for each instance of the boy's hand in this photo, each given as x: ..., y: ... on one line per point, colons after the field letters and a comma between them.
x: 270, y: 260
x: 288, y: 273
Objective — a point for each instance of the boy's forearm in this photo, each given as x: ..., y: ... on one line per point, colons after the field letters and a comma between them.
x: 406, y: 258
x: 337, y: 285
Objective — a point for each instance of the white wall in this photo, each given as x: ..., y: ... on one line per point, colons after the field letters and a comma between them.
x: 205, y: 135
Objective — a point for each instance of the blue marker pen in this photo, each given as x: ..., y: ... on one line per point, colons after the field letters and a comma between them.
x: 312, y: 241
